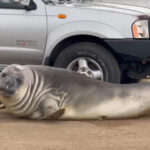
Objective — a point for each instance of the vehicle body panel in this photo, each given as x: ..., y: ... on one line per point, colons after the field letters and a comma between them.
x: 23, y: 35
x: 129, y: 49
x: 82, y: 21
x: 29, y: 37
x: 104, y: 17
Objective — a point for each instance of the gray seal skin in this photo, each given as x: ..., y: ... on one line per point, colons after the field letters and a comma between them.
x: 41, y: 92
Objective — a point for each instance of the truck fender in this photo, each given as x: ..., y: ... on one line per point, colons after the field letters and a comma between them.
x: 79, y: 28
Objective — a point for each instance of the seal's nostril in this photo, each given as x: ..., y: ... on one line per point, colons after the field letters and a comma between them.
x: 3, y: 75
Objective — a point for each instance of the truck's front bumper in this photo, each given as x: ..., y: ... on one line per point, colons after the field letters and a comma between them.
x: 130, y: 49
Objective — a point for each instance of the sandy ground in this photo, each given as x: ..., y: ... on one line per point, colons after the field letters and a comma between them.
x: 19, y: 134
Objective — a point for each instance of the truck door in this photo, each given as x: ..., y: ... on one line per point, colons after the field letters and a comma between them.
x: 22, y: 33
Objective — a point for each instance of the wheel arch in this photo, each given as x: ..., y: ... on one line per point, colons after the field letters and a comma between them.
x: 76, y: 39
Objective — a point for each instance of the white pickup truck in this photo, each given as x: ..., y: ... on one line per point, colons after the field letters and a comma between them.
x: 104, y: 41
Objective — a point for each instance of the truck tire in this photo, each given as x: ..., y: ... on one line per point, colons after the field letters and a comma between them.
x: 90, y: 59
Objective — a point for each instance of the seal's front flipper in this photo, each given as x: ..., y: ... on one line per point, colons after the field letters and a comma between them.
x: 57, y: 114
x: 2, y: 106
x: 50, y: 109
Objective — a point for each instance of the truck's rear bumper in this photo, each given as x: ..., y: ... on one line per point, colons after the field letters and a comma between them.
x: 130, y: 49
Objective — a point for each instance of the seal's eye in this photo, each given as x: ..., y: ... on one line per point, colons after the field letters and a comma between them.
x: 4, y: 75
x: 19, y: 80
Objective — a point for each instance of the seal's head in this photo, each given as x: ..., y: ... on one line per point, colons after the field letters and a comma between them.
x: 11, y: 79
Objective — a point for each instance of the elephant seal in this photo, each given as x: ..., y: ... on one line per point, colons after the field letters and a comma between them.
x: 42, y: 92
